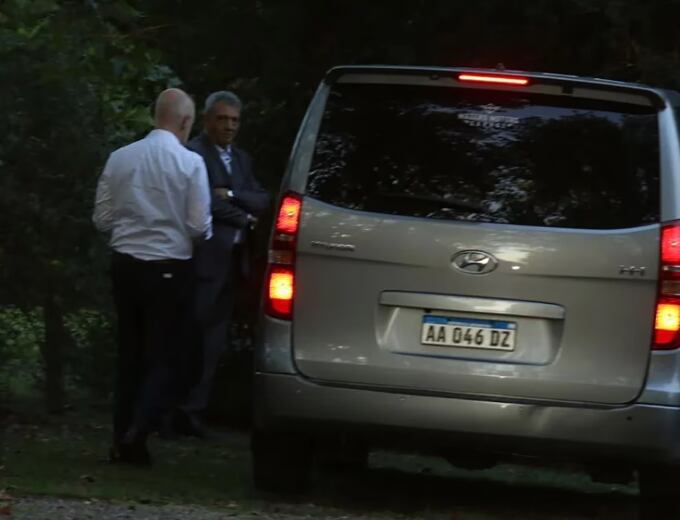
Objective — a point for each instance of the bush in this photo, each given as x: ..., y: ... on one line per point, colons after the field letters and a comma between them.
x: 20, y: 362
x: 89, y: 359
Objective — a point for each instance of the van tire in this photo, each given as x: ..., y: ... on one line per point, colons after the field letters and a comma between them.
x: 343, y: 455
x: 281, y: 462
x: 659, y: 492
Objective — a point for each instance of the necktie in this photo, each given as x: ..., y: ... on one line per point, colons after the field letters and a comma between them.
x: 226, y: 159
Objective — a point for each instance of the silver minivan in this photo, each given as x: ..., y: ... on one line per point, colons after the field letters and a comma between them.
x: 480, y: 264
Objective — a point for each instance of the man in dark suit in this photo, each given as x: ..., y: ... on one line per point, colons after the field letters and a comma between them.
x: 223, y: 261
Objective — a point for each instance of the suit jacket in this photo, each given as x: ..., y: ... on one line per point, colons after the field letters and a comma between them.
x: 212, y: 258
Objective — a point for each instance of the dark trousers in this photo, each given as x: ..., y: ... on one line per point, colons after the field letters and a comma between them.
x: 215, y: 299
x: 153, y: 301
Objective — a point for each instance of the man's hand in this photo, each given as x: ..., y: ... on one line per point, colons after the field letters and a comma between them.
x: 252, y: 221
x: 223, y: 193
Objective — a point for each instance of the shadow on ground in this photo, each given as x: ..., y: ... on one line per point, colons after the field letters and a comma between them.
x: 506, y: 492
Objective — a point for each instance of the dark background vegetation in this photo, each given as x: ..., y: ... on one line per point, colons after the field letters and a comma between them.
x: 78, y: 78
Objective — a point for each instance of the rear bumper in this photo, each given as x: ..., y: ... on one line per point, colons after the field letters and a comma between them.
x: 636, y: 433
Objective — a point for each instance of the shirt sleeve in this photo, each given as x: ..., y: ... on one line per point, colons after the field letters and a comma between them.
x: 102, y: 217
x: 199, y: 218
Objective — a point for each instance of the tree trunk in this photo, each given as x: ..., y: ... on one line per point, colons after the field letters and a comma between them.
x: 53, y: 352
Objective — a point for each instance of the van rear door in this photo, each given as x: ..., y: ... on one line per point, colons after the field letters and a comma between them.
x: 471, y: 240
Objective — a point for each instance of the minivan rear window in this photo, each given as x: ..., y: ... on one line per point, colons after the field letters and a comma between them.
x: 488, y: 156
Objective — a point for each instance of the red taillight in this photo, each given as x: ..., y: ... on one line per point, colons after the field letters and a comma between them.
x: 670, y: 245
x: 280, y: 291
x: 280, y: 282
x: 497, y: 79
x: 667, y: 314
x: 288, y: 218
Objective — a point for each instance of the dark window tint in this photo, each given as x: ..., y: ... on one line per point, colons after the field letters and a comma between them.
x: 504, y: 157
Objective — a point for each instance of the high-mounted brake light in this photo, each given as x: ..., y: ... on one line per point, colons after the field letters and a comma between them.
x: 493, y: 79
x: 280, y: 281
x: 667, y: 315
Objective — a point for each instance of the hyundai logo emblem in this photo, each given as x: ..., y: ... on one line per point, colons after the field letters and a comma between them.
x: 474, y: 262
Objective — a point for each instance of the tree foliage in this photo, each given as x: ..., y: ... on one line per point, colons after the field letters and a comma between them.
x: 73, y: 86
x: 75, y: 83
x: 274, y: 52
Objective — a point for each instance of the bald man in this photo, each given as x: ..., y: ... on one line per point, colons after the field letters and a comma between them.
x: 154, y: 200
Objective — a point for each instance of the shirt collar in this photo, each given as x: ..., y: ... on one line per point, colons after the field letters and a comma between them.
x: 223, y: 151
x: 163, y: 134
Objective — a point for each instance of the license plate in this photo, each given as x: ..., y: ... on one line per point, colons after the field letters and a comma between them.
x: 469, y: 333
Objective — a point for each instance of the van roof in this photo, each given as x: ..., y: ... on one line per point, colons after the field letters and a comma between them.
x: 544, y: 77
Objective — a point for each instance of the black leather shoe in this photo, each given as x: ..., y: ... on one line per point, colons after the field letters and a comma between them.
x: 130, y: 455
x: 167, y: 429
x: 195, y: 427
x: 133, y: 454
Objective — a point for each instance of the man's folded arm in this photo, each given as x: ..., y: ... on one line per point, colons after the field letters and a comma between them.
x: 253, y: 201
x: 225, y: 211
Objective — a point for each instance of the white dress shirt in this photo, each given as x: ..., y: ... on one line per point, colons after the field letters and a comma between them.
x: 154, y: 198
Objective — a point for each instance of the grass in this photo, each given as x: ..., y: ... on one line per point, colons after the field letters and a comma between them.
x: 69, y: 460
x: 65, y: 457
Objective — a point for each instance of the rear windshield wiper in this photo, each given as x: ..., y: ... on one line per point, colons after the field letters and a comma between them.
x: 451, y: 202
